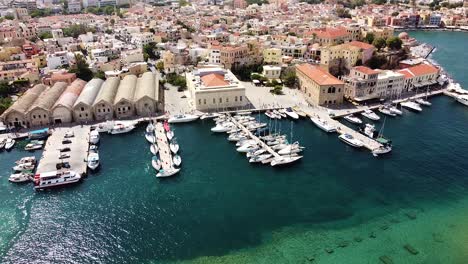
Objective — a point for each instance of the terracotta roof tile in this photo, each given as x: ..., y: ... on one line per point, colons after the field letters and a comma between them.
x: 318, y: 75
x: 214, y: 79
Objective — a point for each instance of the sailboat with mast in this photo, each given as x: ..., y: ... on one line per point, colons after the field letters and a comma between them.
x: 289, y: 158
x: 386, y: 145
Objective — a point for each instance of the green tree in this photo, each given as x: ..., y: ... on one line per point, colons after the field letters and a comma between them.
x: 376, y: 61
x: 9, y: 17
x: 394, y: 14
x: 288, y: 77
x: 45, y: 35
x: 149, y: 52
x: 160, y: 65
x: 5, y: 89
x: 112, y: 21
x: 394, y: 43
x: 278, y: 89
x: 100, y: 74
x: 81, y: 68
x: 5, y: 103
x: 379, y: 43
x: 76, y: 30
x: 369, y: 38
x: 108, y: 10
x: 343, y: 13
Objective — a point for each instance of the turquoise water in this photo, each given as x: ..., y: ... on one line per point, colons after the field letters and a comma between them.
x: 221, y: 209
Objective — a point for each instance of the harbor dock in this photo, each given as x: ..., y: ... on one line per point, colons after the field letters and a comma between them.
x: 78, y: 150
x: 163, y: 145
x: 252, y: 136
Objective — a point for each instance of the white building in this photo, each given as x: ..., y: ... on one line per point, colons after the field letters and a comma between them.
x: 215, y: 88
x: 214, y: 56
x: 58, y: 59
x: 74, y: 6
x: 271, y: 72
x: 57, y: 33
x: 141, y: 39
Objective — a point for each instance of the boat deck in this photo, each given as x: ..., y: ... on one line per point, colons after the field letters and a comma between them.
x: 252, y: 136
x: 164, y: 151
x: 78, y: 150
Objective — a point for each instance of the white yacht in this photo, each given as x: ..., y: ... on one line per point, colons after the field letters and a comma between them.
x: 20, y: 177
x: 247, y: 147
x: 9, y: 143
x: 368, y: 130
x: 382, y: 150
x: 154, y: 149
x: 394, y: 110
x: 412, y: 106
x: 94, y: 137
x: 150, y: 137
x: 174, y: 147
x: 322, y: 124
x: 278, y: 114
x: 93, y: 160
x: 423, y: 102
x: 121, y: 128
x: 463, y: 99
x: 291, y: 148
x: 24, y: 167
x: 350, y: 140
x: 282, y: 160
x: 150, y: 127
x: 182, y: 118
x: 209, y: 116
x: 245, y: 141
x: 177, y: 160
x: 156, y: 163
x: 256, y: 152
x: 55, y: 178
x: 170, y: 134
x: 33, y: 146
x: 2, y: 143
x: 223, y: 127
x: 167, y: 173
x: 30, y: 159
x: 370, y: 115
x: 353, y: 119
x: 290, y: 112
x: 259, y: 158
x: 282, y: 113
x: 270, y: 114
x: 387, y: 111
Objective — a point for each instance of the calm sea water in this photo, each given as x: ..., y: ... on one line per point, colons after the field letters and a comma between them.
x: 221, y: 209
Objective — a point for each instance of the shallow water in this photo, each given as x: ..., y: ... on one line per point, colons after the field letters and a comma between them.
x: 221, y: 209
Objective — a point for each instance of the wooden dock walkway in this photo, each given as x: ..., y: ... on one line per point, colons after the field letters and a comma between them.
x: 163, y: 145
x: 369, y: 143
x: 78, y: 150
x: 252, y: 136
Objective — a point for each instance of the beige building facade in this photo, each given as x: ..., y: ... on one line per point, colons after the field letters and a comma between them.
x: 319, y: 86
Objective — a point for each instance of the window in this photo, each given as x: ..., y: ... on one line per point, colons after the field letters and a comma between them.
x: 199, y: 101
x: 240, y: 98
x: 214, y: 101
x: 204, y: 101
x: 99, y: 110
x: 227, y: 100
x: 220, y: 100
x: 235, y: 98
x: 82, y: 108
x: 34, y: 116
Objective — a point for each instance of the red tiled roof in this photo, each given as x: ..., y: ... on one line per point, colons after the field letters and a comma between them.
x: 365, y: 70
x: 329, y: 33
x: 318, y: 75
x: 361, y: 45
x: 214, y: 79
x: 419, y: 70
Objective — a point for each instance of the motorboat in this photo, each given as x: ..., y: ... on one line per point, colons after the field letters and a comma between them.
x: 247, y: 147
x: 32, y: 147
x: 353, y: 119
x: 281, y: 112
x: 69, y: 134
x: 150, y: 137
x: 290, y: 112
x: 270, y: 114
x: 382, y: 150
x: 276, y: 141
x: 255, y: 126
x: 254, y: 153
x: 259, y: 158
x: 24, y: 167
x: 423, y: 102
x: 394, y: 110
x: 2, y: 143
x: 93, y: 160
x: 283, y: 160
x: 55, y: 178
x: 9, y: 143
x: 237, y: 136
x: 94, y: 137
x: 20, y: 177
x: 174, y: 147
x: 291, y: 148
x: 278, y: 114
x: 170, y: 134
x: 463, y: 99
x: 121, y: 128
x: 177, y: 160
x: 280, y: 146
x: 154, y: 149
x: 182, y: 118
x: 167, y: 173
x: 224, y: 127
x: 387, y: 111
x: 93, y: 148
x: 323, y: 124
x: 150, y: 127
x: 245, y: 141
x: 370, y: 115
x: 412, y: 106
x: 209, y: 116
x: 368, y: 130
x: 156, y: 163
x: 30, y: 159
x: 350, y: 140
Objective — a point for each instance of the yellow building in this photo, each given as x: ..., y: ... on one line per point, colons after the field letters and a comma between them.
x: 319, y: 86
x: 272, y: 56
x: 331, y: 55
x: 40, y: 59
x: 169, y: 62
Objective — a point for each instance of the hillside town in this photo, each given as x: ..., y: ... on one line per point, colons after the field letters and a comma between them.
x: 84, y: 61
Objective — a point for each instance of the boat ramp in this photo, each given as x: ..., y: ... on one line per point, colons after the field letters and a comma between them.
x: 78, y: 150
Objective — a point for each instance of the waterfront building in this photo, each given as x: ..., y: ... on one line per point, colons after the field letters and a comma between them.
x: 123, y: 102
x: 319, y: 86
x: 62, y: 111
x: 83, y: 107
x: 350, y: 52
x: 16, y: 115
x: 40, y: 113
x: 104, y: 103
x: 420, y: 76
x: 146, y: 97
x: 215, y: 88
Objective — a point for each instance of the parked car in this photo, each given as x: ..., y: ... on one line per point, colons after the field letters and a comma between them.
x: 64, y: 156
x: 62, y: 165
x: 69, y: 134
x: 66, y: 141
x: 65, y: 149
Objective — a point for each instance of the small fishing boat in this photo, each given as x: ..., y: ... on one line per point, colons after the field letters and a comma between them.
x: 21, y: 177
x: 167, y: 173
x: 93, y: 160
x: 154, y: 149
x: 322, y: 124
x: 9, y: 143
x: 94, y: 137
x: 370, y: 115
x: 412, y: 106
x: 156, y: 163
x: 177, y: 160
x: 350, y: 140
x: 290, y: 112
x: 353, y: 119
x: 170, y: 134
x: 182, y: 118
x: 121, y: 128
x: 174, y: 147
x: 150, y: 137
